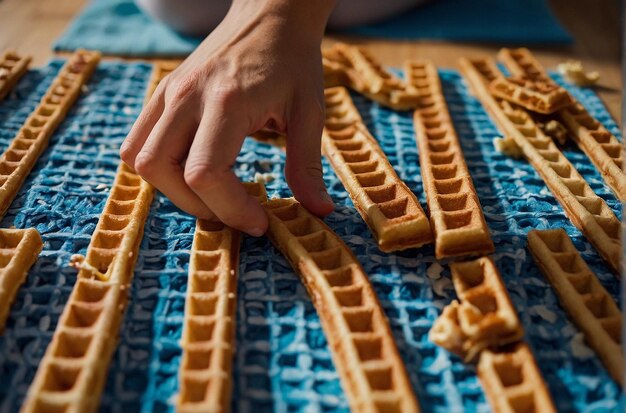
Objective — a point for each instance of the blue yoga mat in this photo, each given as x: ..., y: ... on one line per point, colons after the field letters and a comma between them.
x: 118, y: 26
x: 283, y: 363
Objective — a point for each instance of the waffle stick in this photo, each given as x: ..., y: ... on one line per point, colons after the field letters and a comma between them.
x: 12, y: 67
x: 208, y: 341
x: 587, y: 211
x: 19, y: 249
x: 485, y: 316
x: 386, y: 204
x: 31, y: 140
x: 353, y: 67
x: 364, y: 353
x: 71, y: 375
x: 456, y: 216
x: 600, y: 145
x: 581, y: 294
x: 512, y: 381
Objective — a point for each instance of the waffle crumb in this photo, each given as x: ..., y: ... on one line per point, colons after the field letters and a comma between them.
x: 79, y: 262
x: 264, y: 178
x: 574, y: 72
x: 507, y: 146
x: 556, y: 131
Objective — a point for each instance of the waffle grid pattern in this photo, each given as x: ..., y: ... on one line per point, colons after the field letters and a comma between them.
x: 282, y: 361
x: 365, y: 354
x: 390, y: 209
x: 455, y: 213
x: 586, y: 209
x: 485, y: 316
x: 600, y: 145
x: 12, y: 68
x: 587, y: 302
x: 513, y: 382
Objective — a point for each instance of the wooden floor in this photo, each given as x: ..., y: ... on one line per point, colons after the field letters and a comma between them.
x: 31, y: 26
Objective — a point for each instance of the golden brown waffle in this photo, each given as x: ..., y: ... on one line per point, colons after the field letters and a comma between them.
x: 363, y: 350
x: 19, y: 249
x: 387, y: 205
x: 208, y: 340
x: 12, y: 67
x: 600, y: 145
x: 485, y: 316
x: 584, y: 298
x: 72, y: 372
x: 31, y: 140
x: 512, y: 381
x: 353, y: 67
x: 587, y: 211
x: 537, y: 96
x: 456, y: 216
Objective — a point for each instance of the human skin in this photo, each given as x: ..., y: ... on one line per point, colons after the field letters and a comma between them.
x: 260, y: 68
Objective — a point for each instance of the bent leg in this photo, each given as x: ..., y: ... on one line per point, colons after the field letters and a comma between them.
x: 192, y: 17
x: 200, y: 17
x: 350, y: 13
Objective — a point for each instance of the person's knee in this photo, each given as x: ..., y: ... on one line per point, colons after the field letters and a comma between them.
x: 192, y: 17
x: 349, y: 13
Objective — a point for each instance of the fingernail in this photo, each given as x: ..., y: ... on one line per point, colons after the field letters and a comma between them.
x: 325, y: 197
x: 256, y: 232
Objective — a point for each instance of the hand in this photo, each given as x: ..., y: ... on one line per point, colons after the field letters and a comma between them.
x: 260, y: 68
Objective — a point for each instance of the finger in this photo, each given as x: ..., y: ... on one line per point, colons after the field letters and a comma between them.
x: 141, y: 129
x: 303, y: 168
x: 208, y: 173
x: 160, y: 161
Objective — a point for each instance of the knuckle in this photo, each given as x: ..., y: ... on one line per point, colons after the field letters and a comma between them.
x: 182, y: 89
x: 146, y: 163
x: 199, y: 176
x: 127, y: 154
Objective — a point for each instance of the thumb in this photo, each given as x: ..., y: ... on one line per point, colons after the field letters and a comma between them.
x: 303, y: 169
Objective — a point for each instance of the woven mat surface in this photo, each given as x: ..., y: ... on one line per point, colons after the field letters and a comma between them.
x: 282, y: 362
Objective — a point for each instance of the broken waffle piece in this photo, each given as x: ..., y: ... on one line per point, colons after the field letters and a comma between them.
x: 208, y: 340
x: 19, y: 249
x: 72, y: 373
x: 555, y: 129
x: 31, y: 140
x: 12, y: 67
x: 598, y: 143
x: 508, y: 147
x: 364, y: 353
x: 485, y: 316
x: 456, y: 216
x: 512, y: 381
x: 575, y: 73
x: 587, y: 302
x: 587, y: 211
x: 386, y: 204
x: 537, y: 96
x: 353, y: 67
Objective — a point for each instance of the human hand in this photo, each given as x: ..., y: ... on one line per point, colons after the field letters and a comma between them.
x: 260, y: 68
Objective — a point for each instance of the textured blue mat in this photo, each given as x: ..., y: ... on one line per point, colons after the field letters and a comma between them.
x: 118, y: 27
x: 282, y: 362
